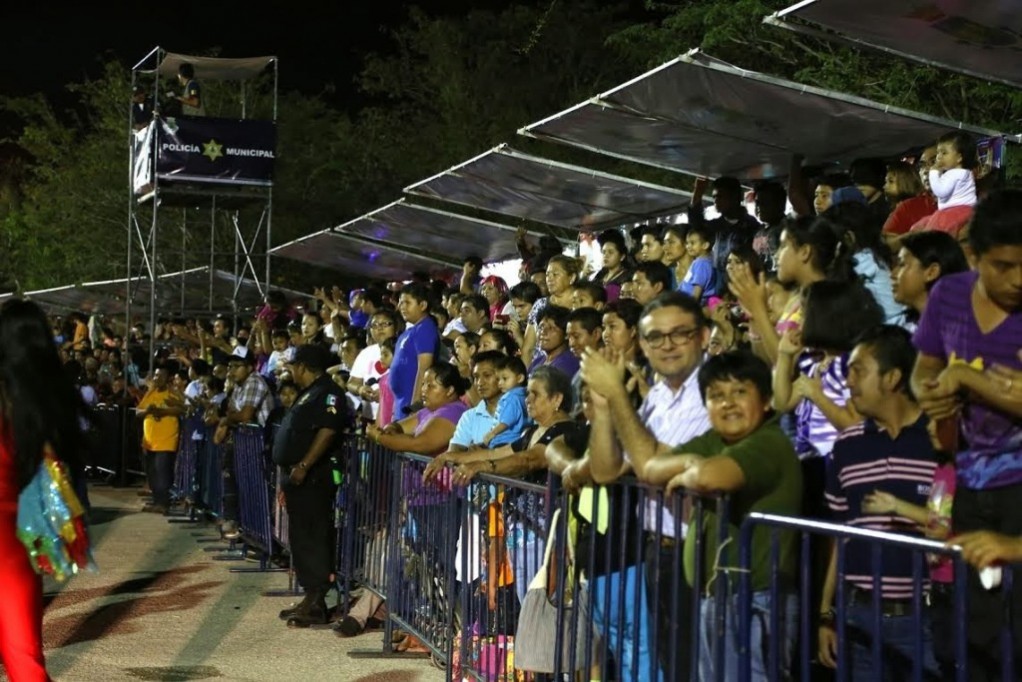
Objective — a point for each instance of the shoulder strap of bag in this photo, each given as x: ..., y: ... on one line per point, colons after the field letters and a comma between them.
x: 539, y: 581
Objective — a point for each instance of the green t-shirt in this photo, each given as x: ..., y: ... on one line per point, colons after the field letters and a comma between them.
x: 773, y: 484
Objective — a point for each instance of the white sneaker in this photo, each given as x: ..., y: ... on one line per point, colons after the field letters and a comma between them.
x: 230, y: 530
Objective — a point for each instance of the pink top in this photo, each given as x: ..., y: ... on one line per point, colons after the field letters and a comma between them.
x: 942, y: 495
x: 386, y: 414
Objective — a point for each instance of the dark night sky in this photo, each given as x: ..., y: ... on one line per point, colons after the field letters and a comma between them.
x: 316, y: 42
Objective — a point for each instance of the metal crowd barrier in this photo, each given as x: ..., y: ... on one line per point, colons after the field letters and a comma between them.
x: 255, y: 511
x: 118, y: 442
x: 364, y: 529
x: 420, y: 566
x: 876, y: 542
x: 454, y: 565
x: 189, y: 450
x: 501, y: 534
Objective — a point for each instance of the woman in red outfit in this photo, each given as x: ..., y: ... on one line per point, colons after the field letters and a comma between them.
x: 911, y: 201
x: 40, y: 408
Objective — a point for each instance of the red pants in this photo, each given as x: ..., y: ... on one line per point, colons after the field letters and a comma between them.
x: 21, y: 608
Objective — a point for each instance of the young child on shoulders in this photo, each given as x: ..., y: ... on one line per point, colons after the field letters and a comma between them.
x: 512, y: 417
x: 702, y: 280
x: 952, y: 183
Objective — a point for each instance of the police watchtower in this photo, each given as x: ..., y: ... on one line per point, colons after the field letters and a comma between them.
x: 201, y: 178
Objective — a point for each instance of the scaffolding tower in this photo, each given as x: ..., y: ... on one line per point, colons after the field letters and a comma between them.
x: 200, y: 181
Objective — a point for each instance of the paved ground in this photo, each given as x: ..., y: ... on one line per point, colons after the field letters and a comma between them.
x: 161, y: 608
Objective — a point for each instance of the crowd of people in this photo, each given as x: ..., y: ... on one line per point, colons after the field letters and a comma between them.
x: 853, y: 357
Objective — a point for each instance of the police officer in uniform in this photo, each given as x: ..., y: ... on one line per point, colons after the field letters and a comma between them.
x: 310, y: 432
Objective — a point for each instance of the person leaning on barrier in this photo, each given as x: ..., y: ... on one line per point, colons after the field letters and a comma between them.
x: 890, y: 453
x: 548, y: 400
x: 250, y: 402
x: 673, y: 335
x: 428, y: 431
x: 971, y: 325
x: 310, y: 432
x: 608, y: 558
x: 748, y: 456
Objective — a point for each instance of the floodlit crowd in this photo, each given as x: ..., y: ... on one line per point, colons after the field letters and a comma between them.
x: 849, y: 352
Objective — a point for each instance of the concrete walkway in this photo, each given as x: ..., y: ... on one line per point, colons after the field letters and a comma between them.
x: 161, y: 608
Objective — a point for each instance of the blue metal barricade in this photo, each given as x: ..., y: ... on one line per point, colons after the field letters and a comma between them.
x: 500, y: 539
x: 254, y: 510
x: 633, y: 614
x: 420, y: 556
x: 872, y: 651
x: 209, y: 477
x: 185, y: 463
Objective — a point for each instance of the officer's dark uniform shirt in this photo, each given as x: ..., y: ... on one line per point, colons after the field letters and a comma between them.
x: 320, y: 406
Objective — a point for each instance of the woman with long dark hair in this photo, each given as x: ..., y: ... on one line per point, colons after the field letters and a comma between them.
x: 40, y: 410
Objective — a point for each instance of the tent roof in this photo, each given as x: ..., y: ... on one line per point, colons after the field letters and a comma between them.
x: 360, y: 256
x: 215, y: 68
x: 188, y: 291
x: 698, y: 115
x: 432, y: 231
x: 981, y: 38
x: 507, y: 181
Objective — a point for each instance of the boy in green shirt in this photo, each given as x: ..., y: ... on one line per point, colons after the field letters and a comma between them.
x: 747, y: 456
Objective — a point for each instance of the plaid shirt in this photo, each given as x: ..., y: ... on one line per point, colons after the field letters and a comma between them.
x: 255, y: 392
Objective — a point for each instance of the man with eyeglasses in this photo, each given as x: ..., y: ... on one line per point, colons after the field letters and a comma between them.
x: 673, y: 335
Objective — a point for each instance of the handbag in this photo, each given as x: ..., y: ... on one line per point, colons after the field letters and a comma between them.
x: 51, y: 522
x: 537, y: 634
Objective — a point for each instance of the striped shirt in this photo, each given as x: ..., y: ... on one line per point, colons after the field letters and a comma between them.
x: 992, y: 456
x: 866, y: 459
x: 814, y: 434
x: 673, y: 418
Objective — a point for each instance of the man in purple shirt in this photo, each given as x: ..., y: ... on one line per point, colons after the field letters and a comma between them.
x: 973, y: 323
x: 415, y: 349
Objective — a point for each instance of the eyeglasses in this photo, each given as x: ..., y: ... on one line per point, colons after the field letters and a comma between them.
x: 381, y: 325
x: 679, y: 337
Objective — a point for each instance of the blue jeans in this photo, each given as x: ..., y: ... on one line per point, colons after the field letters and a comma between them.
x: 898, y: 634
x: 632, y: 640
x: 759, y: 648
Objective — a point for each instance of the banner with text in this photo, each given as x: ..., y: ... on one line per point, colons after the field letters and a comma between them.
x: 215, y: 150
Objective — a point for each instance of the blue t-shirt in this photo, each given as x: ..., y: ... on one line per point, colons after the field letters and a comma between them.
x: 700, y: 274
x: 511, y: 413
x: 421, y: 338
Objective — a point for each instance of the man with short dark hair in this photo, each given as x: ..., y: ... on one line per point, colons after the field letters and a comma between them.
x: 415, y: 349
x: 673, y: 335
x: 650, y: 279
x: 972, y: 323
x: 890, y: 452
x: 475, y: 313
x: 191, y: 96
x: 311, y: 431
x: 735, y: 228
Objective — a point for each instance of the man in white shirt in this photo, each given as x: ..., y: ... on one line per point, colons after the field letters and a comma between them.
x: 673, y: 335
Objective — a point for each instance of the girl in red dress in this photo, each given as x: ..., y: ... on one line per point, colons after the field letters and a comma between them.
x: 40, y: 408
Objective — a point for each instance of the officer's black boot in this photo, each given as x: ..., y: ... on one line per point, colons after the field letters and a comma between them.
x: 311, y: 612
x: 287, y: 613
